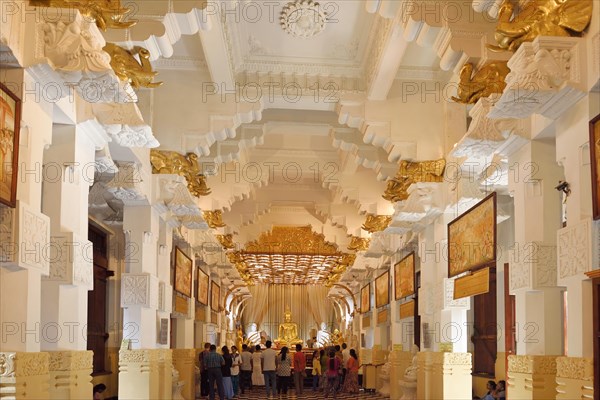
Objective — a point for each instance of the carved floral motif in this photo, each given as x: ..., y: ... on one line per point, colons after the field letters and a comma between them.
x: 574, y: 245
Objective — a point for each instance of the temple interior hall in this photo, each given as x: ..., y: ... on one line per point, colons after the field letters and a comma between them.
x: 300, y: 199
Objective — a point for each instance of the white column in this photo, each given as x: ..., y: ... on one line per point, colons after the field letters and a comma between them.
x: 533, y: 176
x: 68, y: 174
x: 139, y: 285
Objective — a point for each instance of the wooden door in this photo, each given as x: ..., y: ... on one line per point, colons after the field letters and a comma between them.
x: 485, y: 331
x: 510, y: 342
x: 97, y: 332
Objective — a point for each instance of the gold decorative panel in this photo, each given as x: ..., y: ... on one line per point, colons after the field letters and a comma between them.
x: 129, y: 69
x: 376, y: 223
x: 173, y: 163
x: 291, y: 255
x: 106, y: 13
x: 214, y: 219
x: 413, y: 172
x: 359, y: 244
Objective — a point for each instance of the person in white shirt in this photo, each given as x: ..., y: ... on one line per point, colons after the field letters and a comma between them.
x: 246, y: 369
x: 235, y: 369
x: 267, y: 360
x: 345, y: 358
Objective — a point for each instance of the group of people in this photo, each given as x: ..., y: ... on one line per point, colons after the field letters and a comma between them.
x: 495, y: 391
x: 231, y: 373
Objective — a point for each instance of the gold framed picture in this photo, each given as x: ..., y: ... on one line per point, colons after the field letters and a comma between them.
x: 215, y: 296
x: 10, y: 118
x: 183, y: 273
x: 404, y: 277
x: 365, y: 298
x: 595, y: 162
x: 472, y: 238
x: 202, y: 280
x: 382, y: 289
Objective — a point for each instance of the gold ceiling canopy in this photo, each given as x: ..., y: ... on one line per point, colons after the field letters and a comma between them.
x: 106, y: 13
x: 291, y: 255
x: 171, y: 162
x: 413, y: 172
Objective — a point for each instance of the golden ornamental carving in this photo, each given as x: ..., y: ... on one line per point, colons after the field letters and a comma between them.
x: 543, y: 365
x: 376, y: 223
x: 291, y: 255
x: 540, y: 18
x: 128, y: 68
x: 70, y: 360
x: 226, y: 241
x: 489, y: 79
x: 575, y: 368
x: 105, y: 13
x: 171, y: 162
x: 359, y: 244
x: 214, y: 219
x: 413, y: 172
x: 31, y: 364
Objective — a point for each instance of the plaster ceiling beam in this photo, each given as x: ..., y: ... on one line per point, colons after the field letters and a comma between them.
x: 161, y: 25
x: 215, y: 45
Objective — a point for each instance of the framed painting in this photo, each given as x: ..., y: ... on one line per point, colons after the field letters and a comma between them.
x: 404, y: 277
x: 215, y: 296
x: 365, y: 298
x: 183, y: 273
x: 472, y: 238
x: 382, y: 289
x: 595, y: 161
x: 202, y: 287
x: 10, y: 118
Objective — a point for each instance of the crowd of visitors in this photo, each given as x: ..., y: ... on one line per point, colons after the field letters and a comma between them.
x: 230, y: 373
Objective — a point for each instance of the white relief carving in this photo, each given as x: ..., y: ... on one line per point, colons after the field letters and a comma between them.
x: 545, y: 266
x: 7, y: 365
x: 449, y: 301
x: 303, y: 18
x: 545, y: 79
x: 183, y: 203
x: 520, y: 273
x: 135, y: 290
x: 133, y: 136
x: 126, y: 184
x: 256, y: 47
x: 33, y: 239
x: 575, y: 249
x: 83, y: 268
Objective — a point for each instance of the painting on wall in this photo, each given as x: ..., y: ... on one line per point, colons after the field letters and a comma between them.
x: 365, y: 298
x: 215, y: 295
x: 382, y: 290
x: 183, y: 273
x: 404, y: 277
x: 595, y: 162
x: 10, y: 117
x: 202, y: 287
x: 472, y: 238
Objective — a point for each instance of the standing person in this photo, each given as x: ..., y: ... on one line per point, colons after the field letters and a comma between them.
x: 324, y: 359
x: 351, y: 380
x: 333, y: 370
x: 213, y: 362
x: 299, y: 369
x: 267, y: 359
x: 235, y: 370
x: 203, y: 371
x: 246, y: 369
x: 226, y: 371
x: 284, y: 370
x: 345, y: 358
x: 316, y: 370
x: 257, y: 376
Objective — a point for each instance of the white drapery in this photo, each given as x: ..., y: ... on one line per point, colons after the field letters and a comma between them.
x: 309, y: 305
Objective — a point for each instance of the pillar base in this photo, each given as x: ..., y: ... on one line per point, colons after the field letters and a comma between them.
x: 70, y: 374
x: 575, y: 378
x: 139, y: 374
x: 531, y: 377
x: 400, y: 360
x: 444, y: 376
x: 183, y: 361
x: 24, y: 376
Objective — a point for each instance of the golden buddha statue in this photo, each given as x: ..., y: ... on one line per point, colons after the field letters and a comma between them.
x: 288, y: 331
